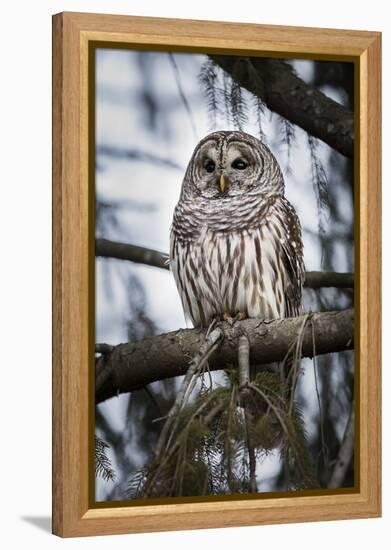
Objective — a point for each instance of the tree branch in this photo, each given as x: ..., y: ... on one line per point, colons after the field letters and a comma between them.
x: 133, y: 365
x: 323, y: 279
x: 276, y: 84
x: 148, y: 256
x: 131, y: 252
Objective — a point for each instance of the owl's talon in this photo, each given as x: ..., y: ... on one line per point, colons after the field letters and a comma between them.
x: 238, y: 317
x: 228, y: 318
x: 232, y: 320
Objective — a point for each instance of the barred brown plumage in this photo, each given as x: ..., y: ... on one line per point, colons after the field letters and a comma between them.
x: 235, y: 242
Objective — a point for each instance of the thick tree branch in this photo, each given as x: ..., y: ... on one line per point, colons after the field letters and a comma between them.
x: 147, y: 256
x: 133, y: 365
x: 276, y: 84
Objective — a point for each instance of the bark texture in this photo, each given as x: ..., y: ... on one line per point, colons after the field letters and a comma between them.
x: 131, y: 366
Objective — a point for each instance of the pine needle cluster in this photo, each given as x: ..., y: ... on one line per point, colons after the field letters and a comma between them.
x: 103, y: 466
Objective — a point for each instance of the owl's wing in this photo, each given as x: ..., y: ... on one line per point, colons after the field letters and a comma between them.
x: 293, y: 284
x: 292, y: 257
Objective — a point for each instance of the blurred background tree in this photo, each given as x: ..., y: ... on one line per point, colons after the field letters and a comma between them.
x: 151, y: 110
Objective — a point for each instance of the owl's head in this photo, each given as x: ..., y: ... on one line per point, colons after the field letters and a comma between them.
x: 228, y: 164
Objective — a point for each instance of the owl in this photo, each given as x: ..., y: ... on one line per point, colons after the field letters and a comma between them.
x: 235, y: 241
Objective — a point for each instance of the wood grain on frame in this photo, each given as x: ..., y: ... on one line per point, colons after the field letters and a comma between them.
x: 73, y: 513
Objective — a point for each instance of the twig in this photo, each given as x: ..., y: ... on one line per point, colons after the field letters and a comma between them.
x: 161, y: 460
x: 251, y: 454
x: 296, y: 360
x: 345, y: 454
x: 244, y: 360
x: 227, y: 445
x: 214, y: 412
x: 321, y: 417
x: 193, y: 380
x: 282, y: 424
x: 206, y: 349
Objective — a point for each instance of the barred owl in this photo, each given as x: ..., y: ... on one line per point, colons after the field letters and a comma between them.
x: 235, y: 243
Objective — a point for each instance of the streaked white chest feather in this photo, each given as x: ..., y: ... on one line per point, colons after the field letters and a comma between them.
x: 228, y: 273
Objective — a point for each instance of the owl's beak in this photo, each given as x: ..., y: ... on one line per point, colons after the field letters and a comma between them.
x: 222, y: 183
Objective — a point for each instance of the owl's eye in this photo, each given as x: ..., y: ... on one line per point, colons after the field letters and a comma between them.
x: 239, y: 164
x: 210, y: 166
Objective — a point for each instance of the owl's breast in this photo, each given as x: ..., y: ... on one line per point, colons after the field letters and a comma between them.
x: 221, y: 272
x: 250, y: 278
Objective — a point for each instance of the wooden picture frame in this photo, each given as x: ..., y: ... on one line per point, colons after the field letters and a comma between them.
x: 73, y: 33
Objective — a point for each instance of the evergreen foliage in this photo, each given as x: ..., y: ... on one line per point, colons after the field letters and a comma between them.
x: 102, y: 463
x: 215, y: 435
